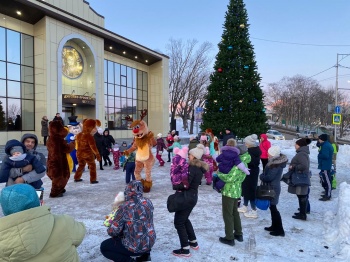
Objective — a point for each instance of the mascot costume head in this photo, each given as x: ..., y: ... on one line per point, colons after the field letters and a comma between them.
x: 143, y: 142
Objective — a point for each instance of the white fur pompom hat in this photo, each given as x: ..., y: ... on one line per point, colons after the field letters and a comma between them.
x: 198, y: 151
x: 274, y: 151
x: 251, y: 140
x: 159, y: 135
x: 119, y: 198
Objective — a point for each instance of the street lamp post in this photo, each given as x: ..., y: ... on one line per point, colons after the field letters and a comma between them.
x: 336, y: 89
x: 336, y: 95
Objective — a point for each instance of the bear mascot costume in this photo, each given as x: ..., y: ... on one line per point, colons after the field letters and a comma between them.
x: 57, y: 164
x: 87, y: 150
x: 143, y: 141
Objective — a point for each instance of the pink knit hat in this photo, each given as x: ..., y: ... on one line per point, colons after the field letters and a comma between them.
x: 181, y: 152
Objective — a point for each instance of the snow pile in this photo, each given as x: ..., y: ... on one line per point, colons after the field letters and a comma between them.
x: 337, y: 226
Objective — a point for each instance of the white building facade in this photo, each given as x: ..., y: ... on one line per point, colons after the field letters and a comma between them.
x: 57, y: 57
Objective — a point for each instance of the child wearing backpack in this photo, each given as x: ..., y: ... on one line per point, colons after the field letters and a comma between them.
x: 228, y: 158
x: 179, y: 168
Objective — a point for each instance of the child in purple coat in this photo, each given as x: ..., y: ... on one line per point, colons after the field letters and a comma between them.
x: 229, y: 158
x: 179, y: 168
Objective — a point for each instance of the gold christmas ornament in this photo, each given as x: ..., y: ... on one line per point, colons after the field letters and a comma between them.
x: 241, y: 25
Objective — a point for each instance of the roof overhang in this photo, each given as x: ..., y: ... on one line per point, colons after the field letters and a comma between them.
x: 34, y: 10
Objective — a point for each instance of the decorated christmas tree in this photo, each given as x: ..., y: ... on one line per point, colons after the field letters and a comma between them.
x: 235, y: 99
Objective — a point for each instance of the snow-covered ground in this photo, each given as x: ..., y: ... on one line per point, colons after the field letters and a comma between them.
x: 323, y: 237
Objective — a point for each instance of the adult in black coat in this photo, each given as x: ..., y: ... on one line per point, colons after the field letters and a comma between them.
x: 229, y: 134
x: 100, y: 143
x: 109, y: 142
x: 251, y: 182
x: 58, y: 118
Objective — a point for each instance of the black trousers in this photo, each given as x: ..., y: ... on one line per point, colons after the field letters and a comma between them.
x: 184, y: 226
x: 169, y: 154
x: 114, y: 249
x: 45, y: 138
x: 276, y: 219
x: 264, y: 162
x: 303, y: 204
x: 107, y: 160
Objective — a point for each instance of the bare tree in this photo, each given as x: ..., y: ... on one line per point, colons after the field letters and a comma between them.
x: 13, y: 110
x: 189, y: 75
x: 300, y: 101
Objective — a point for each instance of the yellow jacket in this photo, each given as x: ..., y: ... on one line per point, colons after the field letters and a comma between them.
x: 36, y: 235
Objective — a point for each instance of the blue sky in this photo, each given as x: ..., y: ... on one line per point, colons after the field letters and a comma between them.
x: 320, y: 22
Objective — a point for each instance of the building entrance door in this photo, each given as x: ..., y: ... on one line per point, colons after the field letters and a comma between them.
x: 67, y: 112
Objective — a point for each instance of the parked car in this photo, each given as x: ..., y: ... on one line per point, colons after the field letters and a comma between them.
x: 274, y: 134
x: 308, y: 134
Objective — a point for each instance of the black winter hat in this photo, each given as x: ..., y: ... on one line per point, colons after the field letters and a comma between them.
x: 303, y: 142
x: 323, y: 137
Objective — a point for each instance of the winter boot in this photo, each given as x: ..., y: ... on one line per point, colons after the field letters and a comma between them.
x: 270, y: 229
x: 279, y: 233
x: 299, y: 216
x: 182, y: 252
x: 277, y: 223
x: 303, y: 205
x: 239, y: 238
x: 101, y: 168
x: 227, y: 241
x: 194, y: 245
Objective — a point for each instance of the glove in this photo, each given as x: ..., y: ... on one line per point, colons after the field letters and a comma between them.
x: 242, y: 167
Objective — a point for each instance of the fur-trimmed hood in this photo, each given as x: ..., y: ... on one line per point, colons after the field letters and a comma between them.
x: 199, y: 163
x: 11, y: 143
x: 278, y: 160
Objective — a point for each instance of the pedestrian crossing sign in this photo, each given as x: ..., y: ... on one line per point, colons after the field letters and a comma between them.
x: 336, y: 119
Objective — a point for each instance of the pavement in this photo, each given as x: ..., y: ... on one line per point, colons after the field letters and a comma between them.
x: 42, y: 149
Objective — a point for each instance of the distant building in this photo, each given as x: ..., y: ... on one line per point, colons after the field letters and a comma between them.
x: 56, y: 56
